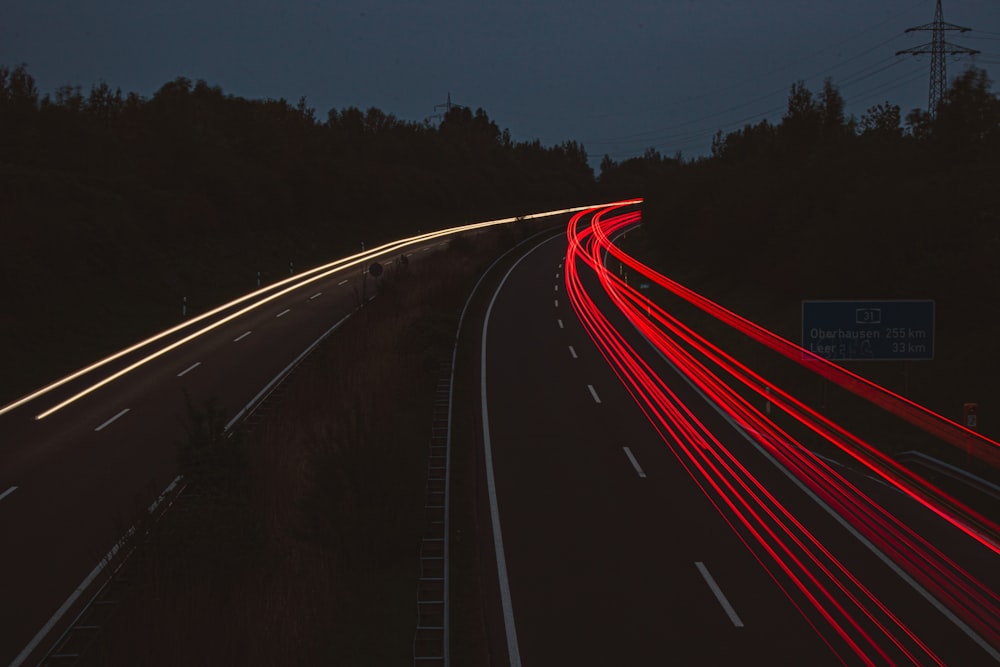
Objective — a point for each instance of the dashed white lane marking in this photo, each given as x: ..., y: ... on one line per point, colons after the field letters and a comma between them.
x: 342, y: 282
x: 635, y: 464
x: 560, y: 324
x: 557, y: 303
x: 556, y: 288
x: 945, y: 611
x: 284, y: 312
x: 315, y: 295
x: 111, y: 421
x: 189, y: 369
x: 718, y: 594
x: 239, y: 338
x: 597, y: 399
x: 426, y: 250
x: 572, y: 352
x: 8, y: 492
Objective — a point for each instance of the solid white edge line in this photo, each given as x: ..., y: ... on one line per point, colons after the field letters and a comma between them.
x: 189, y: 369
x: 241, y: 337
x: 277, y: 378
x: 447, y: 477
x: 572, y: 352
x: 110, y: 421
x: 733, y: 616
x: 934, y: 602
x: 87, y: 581
x: 635, y: 464
x: 593, y: 392
x: 8, y: 492
x: 513, y: 652
x: 26, y: 652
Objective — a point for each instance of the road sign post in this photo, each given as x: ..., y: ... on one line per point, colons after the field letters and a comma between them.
x: 971, y: 413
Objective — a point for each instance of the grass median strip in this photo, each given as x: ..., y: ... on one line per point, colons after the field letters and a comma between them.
x: 303, y: 534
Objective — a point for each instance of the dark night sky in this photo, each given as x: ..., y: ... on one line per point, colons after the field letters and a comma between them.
x: 616, y: 76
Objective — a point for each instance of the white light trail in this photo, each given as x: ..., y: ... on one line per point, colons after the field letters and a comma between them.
x: 296, y: 281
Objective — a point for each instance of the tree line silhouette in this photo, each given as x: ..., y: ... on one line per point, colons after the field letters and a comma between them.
x: 822, y: 204
x: 236, y: 166
x: 191, y: 191
x: 123, y: 203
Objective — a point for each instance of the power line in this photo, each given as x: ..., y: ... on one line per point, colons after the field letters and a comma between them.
x: 447, y: 106
x: 939, y: 49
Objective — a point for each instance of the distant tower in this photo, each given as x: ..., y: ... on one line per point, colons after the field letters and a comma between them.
x: 447, y: 106
x: 939, y: 49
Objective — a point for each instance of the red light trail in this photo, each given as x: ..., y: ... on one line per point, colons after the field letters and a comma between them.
x: 846, y: 613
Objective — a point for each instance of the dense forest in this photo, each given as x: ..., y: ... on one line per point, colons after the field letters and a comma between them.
x: 832, y: 203
x: 823, y: 205
x: 117, y: 206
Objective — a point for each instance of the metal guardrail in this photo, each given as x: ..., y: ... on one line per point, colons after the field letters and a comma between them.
x: 948, y: 470
x: 72, y: 645
x: 430, y: 638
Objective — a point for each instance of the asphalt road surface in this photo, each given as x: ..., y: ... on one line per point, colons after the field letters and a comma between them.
x: 72, y: 483
x: 610, y: 553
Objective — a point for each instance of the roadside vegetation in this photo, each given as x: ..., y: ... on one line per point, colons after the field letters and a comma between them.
x: 298, y: 542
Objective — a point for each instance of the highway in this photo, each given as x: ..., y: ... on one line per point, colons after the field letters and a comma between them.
x: 80, y: 477
x: 642, y: 515
x: 82, y: 459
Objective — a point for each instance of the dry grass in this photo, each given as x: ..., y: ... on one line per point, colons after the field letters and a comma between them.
x: 300, y: 544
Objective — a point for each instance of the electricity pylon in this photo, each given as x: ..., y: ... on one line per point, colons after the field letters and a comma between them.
x: 447, y: 106
x: 939, y: 49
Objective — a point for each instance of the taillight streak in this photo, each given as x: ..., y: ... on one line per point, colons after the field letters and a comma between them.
x: 764, y: 524
x: 929, y: 565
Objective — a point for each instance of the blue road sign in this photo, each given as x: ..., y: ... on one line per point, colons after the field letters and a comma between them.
x: 869, y: 330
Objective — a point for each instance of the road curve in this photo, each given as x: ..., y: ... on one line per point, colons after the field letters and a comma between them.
x: 80, y: 462
x: 617, y: 546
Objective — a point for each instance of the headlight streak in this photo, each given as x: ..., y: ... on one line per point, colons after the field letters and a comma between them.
x: 768, y: 528
x: 298, y: 281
